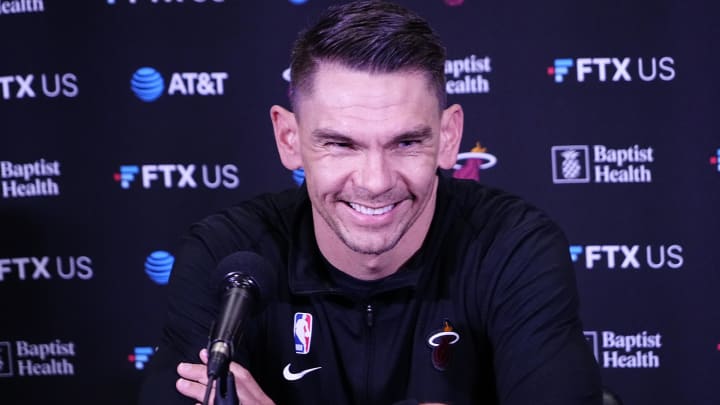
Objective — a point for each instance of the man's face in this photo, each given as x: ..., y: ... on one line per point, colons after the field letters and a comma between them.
x: 370, y: 144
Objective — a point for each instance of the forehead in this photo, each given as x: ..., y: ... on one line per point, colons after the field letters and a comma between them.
x: 336, y: 89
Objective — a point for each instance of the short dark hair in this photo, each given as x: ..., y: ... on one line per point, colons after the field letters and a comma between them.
x: 372, y: 36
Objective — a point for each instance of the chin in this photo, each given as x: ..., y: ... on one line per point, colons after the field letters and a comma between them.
x: 366, y: 248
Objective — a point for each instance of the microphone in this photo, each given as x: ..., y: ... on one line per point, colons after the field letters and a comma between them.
x: 247, y: 283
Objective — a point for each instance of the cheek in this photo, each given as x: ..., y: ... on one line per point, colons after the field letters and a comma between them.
x: 323, y: 177
x: 417, y: 167
x: 329, y: 166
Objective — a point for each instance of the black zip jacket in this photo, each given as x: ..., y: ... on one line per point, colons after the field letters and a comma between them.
x: 486, y: 312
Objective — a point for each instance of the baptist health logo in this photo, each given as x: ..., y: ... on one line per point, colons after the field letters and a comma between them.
x: 628, y: 256
x: 53, y: 358
x: 6, y: 360
x: 148, y: 84
x: 179, y: 176
x: 133, y: 2
x: 29, y: 179
x: 158, y: 266
x: 575, y: 164
x: 468, y: 75
x: 614, y: 350
x: 21, y: 6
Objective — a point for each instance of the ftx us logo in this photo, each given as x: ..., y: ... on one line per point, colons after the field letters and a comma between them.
x: 627, y: 256
x: 624, y: 69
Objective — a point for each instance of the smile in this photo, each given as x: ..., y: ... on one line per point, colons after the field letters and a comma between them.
x: 371, y: 211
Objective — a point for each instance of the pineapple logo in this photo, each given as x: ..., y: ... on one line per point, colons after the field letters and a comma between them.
x: 475, y: 160
x: 5, y: 360
x: 570, y: 164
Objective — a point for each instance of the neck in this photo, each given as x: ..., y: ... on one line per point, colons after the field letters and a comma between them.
x: 375, y: 266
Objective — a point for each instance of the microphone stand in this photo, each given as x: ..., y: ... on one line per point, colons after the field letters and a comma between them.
x: 225, y: 393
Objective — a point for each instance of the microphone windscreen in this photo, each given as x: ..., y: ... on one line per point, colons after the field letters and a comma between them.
x: 252, y: 265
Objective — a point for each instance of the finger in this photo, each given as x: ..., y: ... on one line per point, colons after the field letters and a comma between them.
x: 193, y: 389
x: 204, y: 356
x: 248, y: 390
x: 193, y: 372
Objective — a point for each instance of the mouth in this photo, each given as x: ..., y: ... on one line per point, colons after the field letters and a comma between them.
x: 369, y: 210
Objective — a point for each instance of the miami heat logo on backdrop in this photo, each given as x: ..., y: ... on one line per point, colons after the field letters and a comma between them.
x: 441, y: 342
x: 475, y: 160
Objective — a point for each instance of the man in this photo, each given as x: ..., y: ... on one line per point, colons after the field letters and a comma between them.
x: 400, y: 286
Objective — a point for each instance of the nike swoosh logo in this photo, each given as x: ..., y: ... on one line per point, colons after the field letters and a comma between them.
x: 290, y: 376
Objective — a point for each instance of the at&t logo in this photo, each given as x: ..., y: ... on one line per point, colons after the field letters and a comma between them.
x: 614, y: 69
x: 179, y: 176
x: 158, y: 266
x: 628, y: 256
x: 148, y: 84
x: 20, y: 86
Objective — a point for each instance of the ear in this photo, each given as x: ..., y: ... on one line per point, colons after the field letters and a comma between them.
x: 451, y: 128
x: 286, y: 137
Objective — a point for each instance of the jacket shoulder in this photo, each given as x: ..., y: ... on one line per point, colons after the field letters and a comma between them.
x: 250, y: 224
x: 491, y: 210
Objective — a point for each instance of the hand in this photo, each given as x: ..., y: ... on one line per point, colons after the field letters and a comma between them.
x: 193, y: 381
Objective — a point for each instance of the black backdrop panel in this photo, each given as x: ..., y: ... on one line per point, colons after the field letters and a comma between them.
x: 603, y: 114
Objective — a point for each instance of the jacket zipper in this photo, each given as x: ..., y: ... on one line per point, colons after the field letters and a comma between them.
x: 369, y: 321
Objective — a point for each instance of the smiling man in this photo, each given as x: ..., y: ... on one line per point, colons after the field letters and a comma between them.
x: 370, y: 144
x: 395, y: 284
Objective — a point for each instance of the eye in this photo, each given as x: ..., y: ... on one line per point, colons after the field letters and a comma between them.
x: 341, y: 145
x: 408, y: 143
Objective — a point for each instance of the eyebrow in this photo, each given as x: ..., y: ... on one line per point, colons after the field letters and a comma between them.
x: 322, y: 134
x: 420, y: 133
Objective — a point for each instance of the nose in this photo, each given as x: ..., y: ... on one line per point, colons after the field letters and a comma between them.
x: 375, y: 175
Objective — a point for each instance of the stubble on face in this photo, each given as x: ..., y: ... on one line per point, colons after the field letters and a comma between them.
x: 390, y: 237
x: 369, y: 147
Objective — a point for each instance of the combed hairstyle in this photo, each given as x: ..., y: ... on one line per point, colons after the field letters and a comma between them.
x: 371, y: 36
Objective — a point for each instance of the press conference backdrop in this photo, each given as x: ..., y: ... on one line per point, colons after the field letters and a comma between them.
x: 124, y: 121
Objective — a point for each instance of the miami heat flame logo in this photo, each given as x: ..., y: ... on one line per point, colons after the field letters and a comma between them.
x: 475, y: 160
x: 441, y: 342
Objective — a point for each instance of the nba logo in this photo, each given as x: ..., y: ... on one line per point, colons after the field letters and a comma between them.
x: 302, y: 331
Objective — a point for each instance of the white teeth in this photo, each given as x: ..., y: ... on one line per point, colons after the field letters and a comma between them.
x: 371, y: 211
